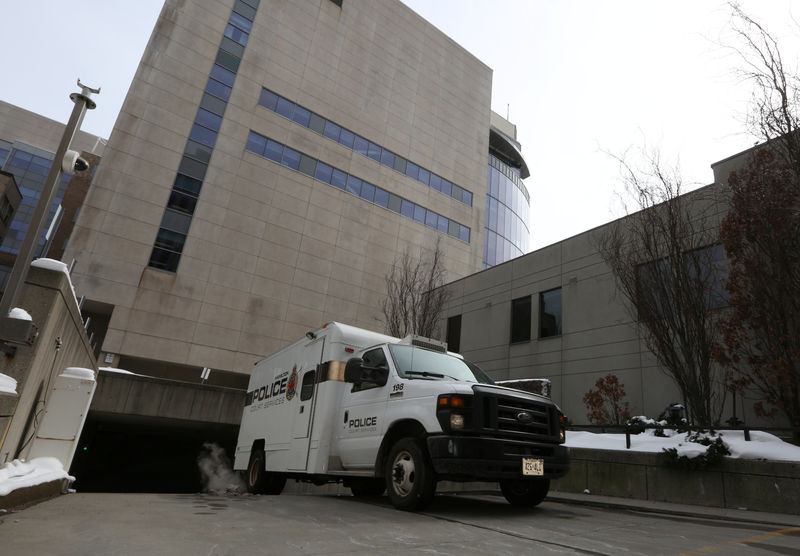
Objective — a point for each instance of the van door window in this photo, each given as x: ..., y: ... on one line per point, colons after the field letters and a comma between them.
x: 374, y: 358
x: 307, y: 388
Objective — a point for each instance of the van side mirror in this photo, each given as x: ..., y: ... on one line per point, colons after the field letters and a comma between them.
x: 352, y: 370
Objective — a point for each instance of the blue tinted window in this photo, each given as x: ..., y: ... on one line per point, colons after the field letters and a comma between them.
x: 464, y: 234
x: 301, y: 115
x: 443, y: 224
x: 332, y: 130
x: 436, y: 182
x: 236, y: 34
x: 291, y: 158
x: 361, y: 145
x: 221, y: 74
x: 346, y: 138
x: 353, y: 185
x: 256, y: 143
x: 446, y: 186
x: 274, y: 151
x: 240, y: 22
x: 381, y: 197
x: 323, y: 172
x: 338, y: 179
x: 424, y: 176
x: 285, y: 107
x: 466, y: 198
x: 419, y: 213
x: 431, y: 219
x: 203, y: 135
x: 218, y: 89
x: 268, y: 99
x: 367, y: 191
x: 208, y: 119
x: 412, y: 170
x: 374, y: 152
x: 407, y: 209
x: 387, y: 158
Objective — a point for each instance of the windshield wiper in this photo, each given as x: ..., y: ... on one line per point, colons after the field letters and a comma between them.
x: 427, y: 374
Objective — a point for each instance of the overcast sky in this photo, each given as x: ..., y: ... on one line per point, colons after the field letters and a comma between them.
x: 580, y: 78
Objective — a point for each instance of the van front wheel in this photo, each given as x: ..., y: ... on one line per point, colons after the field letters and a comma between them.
x: 410, y: 479
x: 525, y: 492
x: 259, y: 481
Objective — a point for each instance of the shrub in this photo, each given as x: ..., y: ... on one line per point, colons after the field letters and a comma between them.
x: 605, y: 404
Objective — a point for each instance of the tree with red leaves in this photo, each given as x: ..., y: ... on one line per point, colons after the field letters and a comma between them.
x: 606, y: 405
x: 761, y: 235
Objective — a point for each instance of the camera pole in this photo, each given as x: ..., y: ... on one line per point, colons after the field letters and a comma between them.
x: 31, y: 240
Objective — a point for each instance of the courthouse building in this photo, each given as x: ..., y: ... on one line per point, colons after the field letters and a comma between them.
x: 271, y: 161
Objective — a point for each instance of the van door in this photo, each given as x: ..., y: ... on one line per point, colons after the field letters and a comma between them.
x: 302, y: 386
x: 361, y: 421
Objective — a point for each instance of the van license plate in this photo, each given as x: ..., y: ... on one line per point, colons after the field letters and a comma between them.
x: 533, y: 466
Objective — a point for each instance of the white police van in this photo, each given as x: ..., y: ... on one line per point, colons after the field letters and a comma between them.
x: 379, y: 413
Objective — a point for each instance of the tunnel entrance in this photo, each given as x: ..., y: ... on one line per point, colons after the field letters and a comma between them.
x: 127, y: 453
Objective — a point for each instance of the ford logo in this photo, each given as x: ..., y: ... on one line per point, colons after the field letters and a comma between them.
x: 524, y: 417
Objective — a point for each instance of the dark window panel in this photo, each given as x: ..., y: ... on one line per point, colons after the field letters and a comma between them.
x: 454, y: 333
x: 256, y: 143
x: 550, y: 314
x: 453, y: 228
x: 192, y: 168
x: 182, y: 202
x: 455, y: 192
x: 308, y: 165
x: 228, y: 61
x: 521, y: 319
x: 232, y: 47
x: 285, y: 107
x: 198, y: 151
x: 346, y: 138
x: 187, y: 184
x: 252, y: 3
x: 338, y: 179
x: 244, y: 10
x: 268, y: 99
x: 176, y: 221
x: 332, y: 130
x: 164, y: 260
x: 316, y: 123
x: 301, y: 115
x: 395, y: 203
x: 324, y: 172
x: 400, y: 164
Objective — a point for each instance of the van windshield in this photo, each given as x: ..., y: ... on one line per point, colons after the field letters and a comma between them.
x: 418, y: 363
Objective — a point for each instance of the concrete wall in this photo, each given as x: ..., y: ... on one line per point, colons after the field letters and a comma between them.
x: 62, y: 342
x: 271, y: 252
x: 768, y: 486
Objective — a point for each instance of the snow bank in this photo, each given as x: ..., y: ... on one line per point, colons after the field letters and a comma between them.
x: 762, y: 445
x: 20, y: 474
x: 19, y: 314
x: 79, y: 373
x: 8, y: 385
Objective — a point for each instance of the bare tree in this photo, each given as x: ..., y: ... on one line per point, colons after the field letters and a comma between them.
x: 665, y: 260
x: 414, y: 293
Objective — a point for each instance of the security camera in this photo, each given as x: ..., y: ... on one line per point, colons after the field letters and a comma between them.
x: 72, y: 162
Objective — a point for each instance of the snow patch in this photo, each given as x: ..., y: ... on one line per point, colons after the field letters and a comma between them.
x: 8, y: 385
x: 58, y: 266
x: 761, y: 446
x: 21, y: 474
x: 79, y: 373
x: 19, y: 314
x: 115, y: 370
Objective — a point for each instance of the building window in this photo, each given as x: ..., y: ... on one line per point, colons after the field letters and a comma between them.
x: 521, y: 319
x: 550, y: 313
x: 454, y: 333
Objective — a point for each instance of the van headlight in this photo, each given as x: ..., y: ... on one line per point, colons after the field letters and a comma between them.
x: 454, y: 412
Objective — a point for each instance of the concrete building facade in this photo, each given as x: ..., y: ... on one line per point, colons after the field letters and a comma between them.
x: 269, y: 164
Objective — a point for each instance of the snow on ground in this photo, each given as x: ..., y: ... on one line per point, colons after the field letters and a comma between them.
x: 762, y: 445
x: 20, y: 474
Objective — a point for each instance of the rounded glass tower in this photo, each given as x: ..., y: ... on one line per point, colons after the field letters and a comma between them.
x: 507, y: 228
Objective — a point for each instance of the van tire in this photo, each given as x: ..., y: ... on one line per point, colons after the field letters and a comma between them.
x: 525, y: 492
x: 259, y: 481
x: 410, y: 479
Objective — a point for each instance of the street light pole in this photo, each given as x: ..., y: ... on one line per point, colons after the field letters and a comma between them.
x: 82, y: 102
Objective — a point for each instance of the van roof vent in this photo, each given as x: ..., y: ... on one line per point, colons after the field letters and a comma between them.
x: 423, y: 342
